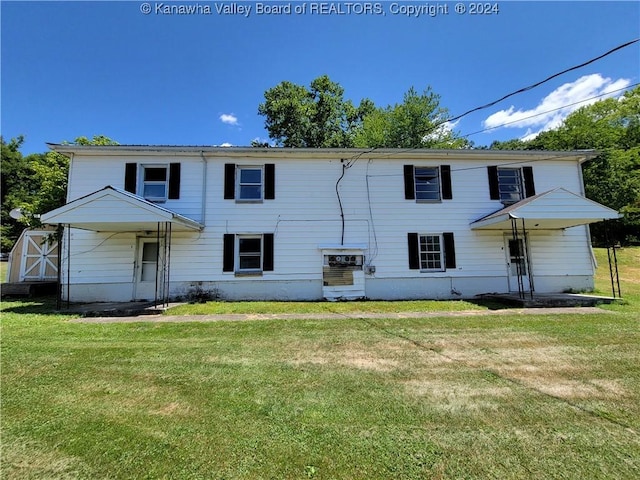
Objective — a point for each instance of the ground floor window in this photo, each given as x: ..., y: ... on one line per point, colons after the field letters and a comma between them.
x: 431, y: 252
x: 248, y: 253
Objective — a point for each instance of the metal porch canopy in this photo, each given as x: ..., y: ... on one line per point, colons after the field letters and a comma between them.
x: 113, y: 210
x: 555, y: 209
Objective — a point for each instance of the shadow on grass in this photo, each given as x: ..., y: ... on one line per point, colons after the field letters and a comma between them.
x: 489, y: 304
x: 31, y: 305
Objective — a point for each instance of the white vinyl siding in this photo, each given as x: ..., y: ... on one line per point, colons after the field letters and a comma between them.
x: 305, y: 215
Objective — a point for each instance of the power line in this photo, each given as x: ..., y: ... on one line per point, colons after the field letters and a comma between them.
x: 552, y: 110
x: 516, y: 92
x: 530, y: 87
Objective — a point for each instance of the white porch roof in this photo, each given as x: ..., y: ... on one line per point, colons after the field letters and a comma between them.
x: 113, y: 210
x: 553, y: 210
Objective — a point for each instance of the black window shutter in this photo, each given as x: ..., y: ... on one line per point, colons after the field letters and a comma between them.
x: 494, y: 190
x: 229, y: 181
x: 130, y: 174
x: 269, y: 181
x: 174, y: 181
x: 228, y: 262
x: 445, y: 177
x: 267, y: 254
x: 409, y: 186
x: 414, y: 254
x: 449, y: 250
x: 529, y: 186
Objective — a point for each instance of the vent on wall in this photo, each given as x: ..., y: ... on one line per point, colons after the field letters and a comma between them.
x: 343, y: 260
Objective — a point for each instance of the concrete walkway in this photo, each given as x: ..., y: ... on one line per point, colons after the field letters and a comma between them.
x: 336, y: 316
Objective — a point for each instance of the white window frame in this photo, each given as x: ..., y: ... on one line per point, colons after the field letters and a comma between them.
x: 424, y: 264
x: 415, y: 183
x: 505, y: 197
x: 239, y: 255
x: 240, y: 184
x: 144, y: 183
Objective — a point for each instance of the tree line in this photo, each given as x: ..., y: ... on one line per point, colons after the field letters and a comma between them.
x: 318, y: 116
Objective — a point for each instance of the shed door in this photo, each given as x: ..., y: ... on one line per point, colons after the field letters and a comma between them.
x: 39, y: 260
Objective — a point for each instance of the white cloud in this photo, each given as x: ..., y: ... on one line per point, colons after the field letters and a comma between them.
x: 555, y: 107
x: 226, y: 144
x: 229, y: 119
x: 441, y: 131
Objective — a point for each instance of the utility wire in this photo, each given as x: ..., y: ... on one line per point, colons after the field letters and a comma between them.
x: 552, y: 110
x: 516, y: 92
x: 530, y: 87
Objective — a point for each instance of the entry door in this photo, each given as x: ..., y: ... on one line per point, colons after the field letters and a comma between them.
x: 147, y: 267
x: 516, y: 263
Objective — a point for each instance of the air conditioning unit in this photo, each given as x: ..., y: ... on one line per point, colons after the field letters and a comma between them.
x: 344, y: 260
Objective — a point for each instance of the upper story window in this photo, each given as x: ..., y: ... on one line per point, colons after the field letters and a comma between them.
x: 154, y: 182
x: 427, y: 184
x: 155, y: 179
x: 510, y: 185
x: 249, y: 183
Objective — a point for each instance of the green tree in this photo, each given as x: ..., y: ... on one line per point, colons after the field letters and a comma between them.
x: 418, y: 122
x: 314, y: 117
x: 18, y: 186
x: 36, y: 184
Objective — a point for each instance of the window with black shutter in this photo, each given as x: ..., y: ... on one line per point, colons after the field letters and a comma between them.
x: 249, y: 183
x: 510, y: 185
x: 427, y: 183
x: 247, y: 254
x: 153, y: 182
x: 431, y: 252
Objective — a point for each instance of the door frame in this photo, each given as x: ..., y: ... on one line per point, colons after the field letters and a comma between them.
x: 512, y: 276
x: 44, y: 251
x: 144, y: 290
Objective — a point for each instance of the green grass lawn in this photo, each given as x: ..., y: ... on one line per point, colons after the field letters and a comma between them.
x: 536, y: 396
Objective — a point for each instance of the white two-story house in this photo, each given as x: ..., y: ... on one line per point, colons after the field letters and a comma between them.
x: 159, y: 222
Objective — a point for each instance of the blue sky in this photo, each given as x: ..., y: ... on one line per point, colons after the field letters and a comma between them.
x: 78, y: 68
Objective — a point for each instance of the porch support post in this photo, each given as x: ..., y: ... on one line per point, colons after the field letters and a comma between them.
x: 613, y: 263
x: 518, y: 256
x: 527, y: 257
x: 167, y: 269
x: 60, y: 237
x: 155, y: 292
x: 68, y: 265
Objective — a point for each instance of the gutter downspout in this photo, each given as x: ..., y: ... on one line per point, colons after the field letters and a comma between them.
x: 71, y: 155
x: 203, y: 209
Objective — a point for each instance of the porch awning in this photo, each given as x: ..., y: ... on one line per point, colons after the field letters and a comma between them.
x: 113, y: 210
x: 553, y: 210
